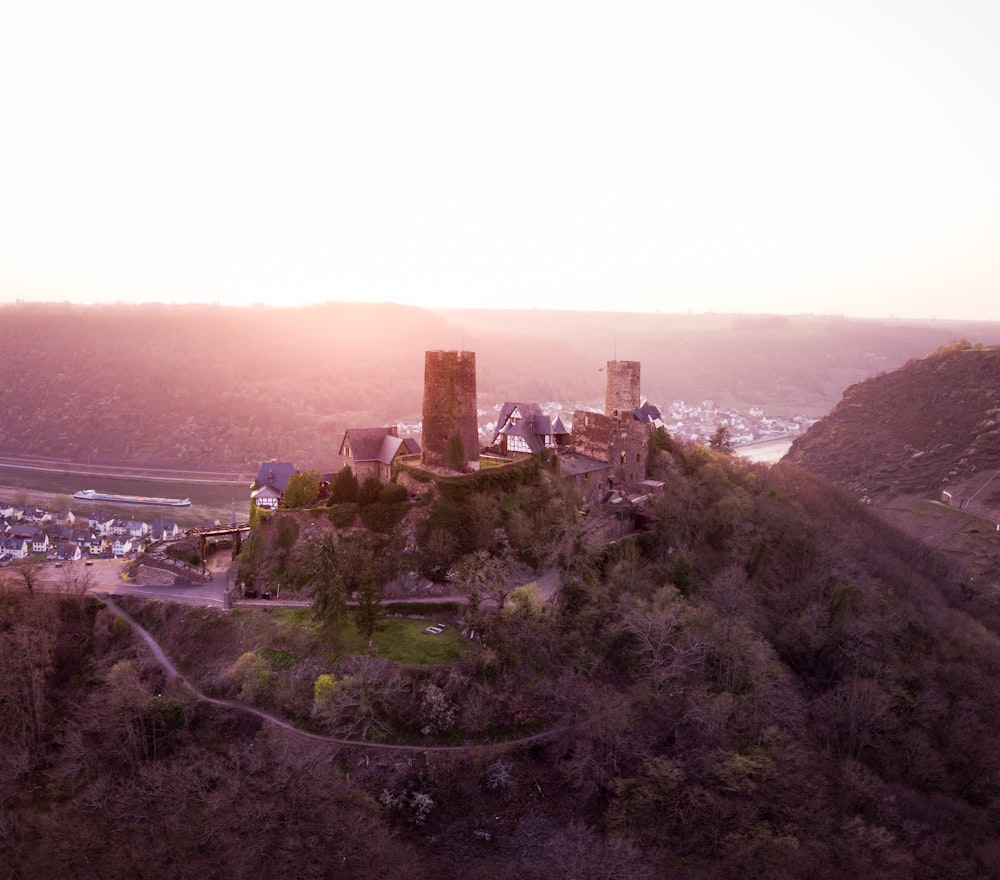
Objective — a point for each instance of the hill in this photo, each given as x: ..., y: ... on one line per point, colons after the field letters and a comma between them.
x: 771, y: 683
x: 927, y: 426
x: 209, y: 388
x: 927, y: 432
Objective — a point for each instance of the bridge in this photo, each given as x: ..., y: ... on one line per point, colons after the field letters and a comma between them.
x: 235, y: 530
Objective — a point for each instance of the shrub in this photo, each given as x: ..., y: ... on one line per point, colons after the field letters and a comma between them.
x: 379, y: 517
x: 342, y: 515
x: 370, y: 490
x: 344, y: 488
x: 394, y: 493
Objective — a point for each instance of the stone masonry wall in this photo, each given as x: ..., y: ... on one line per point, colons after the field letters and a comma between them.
x: 449, y: 404
x: 622, y: 395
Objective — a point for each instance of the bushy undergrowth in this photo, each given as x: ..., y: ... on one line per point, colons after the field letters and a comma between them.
x: 815, y: 701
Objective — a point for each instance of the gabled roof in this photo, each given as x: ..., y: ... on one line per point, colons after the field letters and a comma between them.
x: 265, y: 492
x: 377, y: 444
x: 526, y: 420
x: 647, y: 412
x: 275, y: 473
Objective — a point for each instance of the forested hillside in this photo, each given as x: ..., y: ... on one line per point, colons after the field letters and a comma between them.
x: 771, y: 683
x: 922, y: 428
x: 213, y: 388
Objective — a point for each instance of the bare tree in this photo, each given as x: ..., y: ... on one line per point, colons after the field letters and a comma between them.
x: 76, y: 580
x: 661, y: 641
x: 29, y: 571
x: 484, y: 576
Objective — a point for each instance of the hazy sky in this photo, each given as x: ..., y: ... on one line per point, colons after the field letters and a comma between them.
x: 834, y: 157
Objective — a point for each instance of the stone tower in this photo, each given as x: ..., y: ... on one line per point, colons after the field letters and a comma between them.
x: 449, y: 406
x: 623, y: 389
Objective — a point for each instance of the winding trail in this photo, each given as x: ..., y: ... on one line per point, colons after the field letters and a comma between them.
x: 158, y: 653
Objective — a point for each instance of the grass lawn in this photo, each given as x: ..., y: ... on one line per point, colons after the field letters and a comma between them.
x: 401, y: 640
x: 404, y: 641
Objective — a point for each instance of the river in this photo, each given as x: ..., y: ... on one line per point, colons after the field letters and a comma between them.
x: 209, y: 501
x: 768, y: 451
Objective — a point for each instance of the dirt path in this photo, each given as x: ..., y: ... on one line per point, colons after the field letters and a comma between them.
x: 172, y: 671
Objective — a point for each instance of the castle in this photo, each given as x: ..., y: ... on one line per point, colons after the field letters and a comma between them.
x: 605, y: 454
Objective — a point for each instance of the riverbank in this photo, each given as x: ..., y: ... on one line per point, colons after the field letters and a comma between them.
x: 767, y: 451
x: 123, y: 472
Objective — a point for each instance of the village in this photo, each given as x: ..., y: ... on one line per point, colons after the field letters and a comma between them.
x: 62, y: 536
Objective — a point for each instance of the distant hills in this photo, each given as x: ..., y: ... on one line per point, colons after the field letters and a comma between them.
x: 205, y: 387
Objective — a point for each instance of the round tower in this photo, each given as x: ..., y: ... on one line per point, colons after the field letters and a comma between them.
x: 623, y: 388
x: 451, y: 429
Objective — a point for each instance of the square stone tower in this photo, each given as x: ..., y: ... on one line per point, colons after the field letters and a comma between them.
x: 622, y: 396
x: 450, y: 409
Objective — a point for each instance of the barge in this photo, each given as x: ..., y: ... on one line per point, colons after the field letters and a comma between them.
x: 93, y: 495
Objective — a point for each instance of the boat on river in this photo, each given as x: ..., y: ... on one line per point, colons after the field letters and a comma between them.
x: 94, y: 495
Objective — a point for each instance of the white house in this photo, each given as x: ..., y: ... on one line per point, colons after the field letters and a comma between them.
x: 14, y: 548
x: 101, y: 521
x: 69, y: 551
x: 136, y: 528
x: 164, y: 530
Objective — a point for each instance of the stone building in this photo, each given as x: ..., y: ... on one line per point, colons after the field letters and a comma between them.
x: 370, y: 452
x: 449, y: 407
x: 622, y: 393
x: 618, y: 438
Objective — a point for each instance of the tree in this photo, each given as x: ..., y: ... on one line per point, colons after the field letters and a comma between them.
x: 722, y: 440
x: 357, y: 702
x: 370, y: 490
x: 29, y: 571
x: 681, y: 574
x: 484, y: 576
x: 369, y: 604
x: 657, y: 630
x: 302, y: 489
x: 76, y: 580
x: 251, y: 673
x: 345, y: 487
x: 366, y: 563
x: 328, y: 588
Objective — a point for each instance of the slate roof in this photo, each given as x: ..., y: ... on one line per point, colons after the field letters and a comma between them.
x: 377, y: 444
x: 572, y: 464
x: 533, y: 426
x: 275, y: 473
x: 647, y: 412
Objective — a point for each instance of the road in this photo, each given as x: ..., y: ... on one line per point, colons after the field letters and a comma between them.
x: 618, y: 705
x: 108, y: 577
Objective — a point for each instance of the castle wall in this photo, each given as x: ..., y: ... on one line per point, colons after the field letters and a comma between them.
x: 624, y: 445
x: 592, y: 434
x: 449, y: 405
